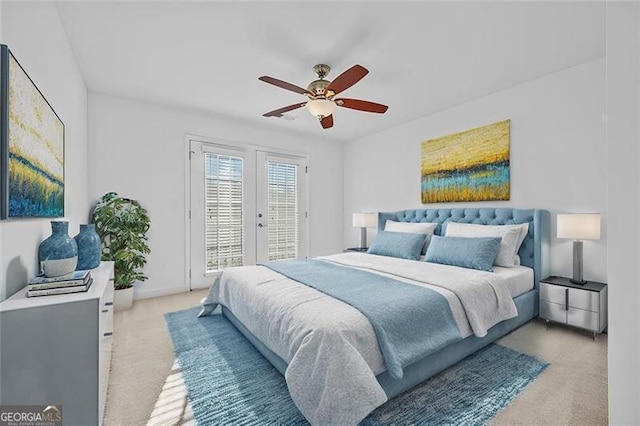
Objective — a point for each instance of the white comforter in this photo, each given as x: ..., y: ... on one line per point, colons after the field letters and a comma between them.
x: 330, y: 347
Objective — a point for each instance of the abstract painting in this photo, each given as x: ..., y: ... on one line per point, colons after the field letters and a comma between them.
x: 32, y: 146
x: 468, y: 166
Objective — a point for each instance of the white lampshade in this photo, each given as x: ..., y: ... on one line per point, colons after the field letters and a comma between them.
x: 365, y: 220
x: 321, y: 107
x: 583, y: 226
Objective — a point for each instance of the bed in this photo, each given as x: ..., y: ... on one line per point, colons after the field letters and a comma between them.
x: 323, y: 347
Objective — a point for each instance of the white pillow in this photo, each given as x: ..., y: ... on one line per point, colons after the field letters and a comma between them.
x: 523, y: 229
x: 512, y: 237
x: 414, y: 228
x: 426, y: 228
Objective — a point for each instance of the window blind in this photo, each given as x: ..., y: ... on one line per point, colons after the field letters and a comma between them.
x: 282, y: 207
x: 224, y: 212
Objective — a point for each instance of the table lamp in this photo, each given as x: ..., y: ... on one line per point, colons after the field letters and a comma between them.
x: 364, y: 221
x: 581, y: 226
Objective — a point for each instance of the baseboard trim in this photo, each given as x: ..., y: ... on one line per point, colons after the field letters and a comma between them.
x: 147, y: 294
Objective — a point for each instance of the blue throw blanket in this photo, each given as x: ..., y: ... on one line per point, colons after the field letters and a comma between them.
x: 410, y: 322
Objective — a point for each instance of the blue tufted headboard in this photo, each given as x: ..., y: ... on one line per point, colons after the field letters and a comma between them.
x: 534, y: 251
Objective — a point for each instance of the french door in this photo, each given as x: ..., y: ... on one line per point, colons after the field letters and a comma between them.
x: 280, y: 196
x: 246, y: 206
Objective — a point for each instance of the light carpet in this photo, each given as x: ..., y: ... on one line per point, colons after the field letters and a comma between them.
x: 230, y: 382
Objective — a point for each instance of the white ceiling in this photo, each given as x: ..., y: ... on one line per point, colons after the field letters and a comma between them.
x: 422, y: 57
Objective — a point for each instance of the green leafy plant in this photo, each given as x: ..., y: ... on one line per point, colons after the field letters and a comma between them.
x: 122, y: 225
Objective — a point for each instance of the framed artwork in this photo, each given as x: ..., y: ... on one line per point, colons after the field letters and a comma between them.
x: 31, y: 146
x: 468, y: 166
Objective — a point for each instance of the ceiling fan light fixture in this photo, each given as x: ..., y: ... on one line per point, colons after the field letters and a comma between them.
x: 321, y: 92
x: 321, y: 107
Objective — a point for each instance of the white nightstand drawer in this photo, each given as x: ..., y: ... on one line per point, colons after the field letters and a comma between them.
x: 583, y: 306
x: 584, y: 299
x: 583, y: 319
x: 552, y: 293
x: 553, y: 311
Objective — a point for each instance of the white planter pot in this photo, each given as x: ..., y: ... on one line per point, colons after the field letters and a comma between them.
x: 122, y: 299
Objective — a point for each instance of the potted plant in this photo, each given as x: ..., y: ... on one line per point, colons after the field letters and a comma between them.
x: 122, y: 224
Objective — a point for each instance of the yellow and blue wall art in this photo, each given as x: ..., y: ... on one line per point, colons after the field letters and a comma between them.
x: 468, y: 166
x: 31, y: 147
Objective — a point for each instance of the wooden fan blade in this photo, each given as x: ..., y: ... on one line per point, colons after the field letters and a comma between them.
x: 361, y: 105
x: 327, y: 121
x: 284, y: 85
x: 347, y: 79
x: 278, y: 112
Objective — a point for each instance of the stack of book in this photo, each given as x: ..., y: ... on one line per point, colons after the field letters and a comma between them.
x: 75, y: 282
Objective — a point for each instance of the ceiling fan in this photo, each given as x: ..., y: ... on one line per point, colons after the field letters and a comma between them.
x: 321, y: 93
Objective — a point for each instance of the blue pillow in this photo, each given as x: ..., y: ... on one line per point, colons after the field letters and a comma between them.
x: 398, y: 244
x: 473, y: 253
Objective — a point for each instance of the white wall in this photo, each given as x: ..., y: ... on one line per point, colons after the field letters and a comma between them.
x: 623, y: 134
x: 557, y: 151
x: 35, y: 35
x: 137, y: 150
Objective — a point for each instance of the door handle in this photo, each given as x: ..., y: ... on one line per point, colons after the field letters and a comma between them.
x: 261, y: 225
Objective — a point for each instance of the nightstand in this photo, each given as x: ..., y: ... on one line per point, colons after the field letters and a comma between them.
x: 582, y: 306
x: 358, y: 249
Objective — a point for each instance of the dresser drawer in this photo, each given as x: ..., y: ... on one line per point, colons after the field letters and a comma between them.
x: 106, y: 340
x: 553, y: 293
x: 584, y: 299
x: 583, y: 319
x: 553, y: 311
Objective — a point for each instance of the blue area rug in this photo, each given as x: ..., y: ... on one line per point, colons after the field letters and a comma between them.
x: 230, y: 383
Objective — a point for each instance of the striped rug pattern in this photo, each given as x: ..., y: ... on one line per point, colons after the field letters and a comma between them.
x: 230, y: 383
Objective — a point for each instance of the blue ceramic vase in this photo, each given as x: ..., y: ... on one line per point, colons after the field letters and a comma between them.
x: 58, y: 254
x: 89, y: 247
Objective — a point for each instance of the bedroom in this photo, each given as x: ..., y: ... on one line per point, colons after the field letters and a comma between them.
x: 567, y: 89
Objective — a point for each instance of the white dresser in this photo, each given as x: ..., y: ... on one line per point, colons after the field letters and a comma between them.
x: 56, y: 350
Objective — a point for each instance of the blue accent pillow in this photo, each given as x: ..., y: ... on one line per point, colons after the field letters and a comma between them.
x: 398, y: 244
x: 473, y: 253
